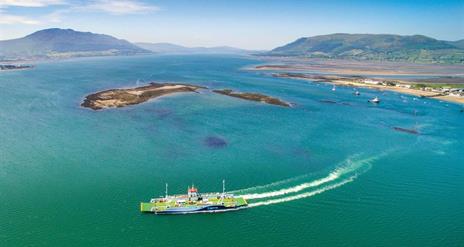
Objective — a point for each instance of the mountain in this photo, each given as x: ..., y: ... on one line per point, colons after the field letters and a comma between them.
x: 459, y: 43
x: 163, y: 47
x: 168, y: 48
x: 415, y: 48
x: 59, y: 43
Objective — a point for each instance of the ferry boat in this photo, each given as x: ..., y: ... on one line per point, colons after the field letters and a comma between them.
x: 194, y: 202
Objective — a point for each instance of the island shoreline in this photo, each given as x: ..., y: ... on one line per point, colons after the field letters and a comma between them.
x: 122, y: 97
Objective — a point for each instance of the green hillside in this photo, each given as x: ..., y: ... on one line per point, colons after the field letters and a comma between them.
x: 59, y: 43
x: 416, y: 48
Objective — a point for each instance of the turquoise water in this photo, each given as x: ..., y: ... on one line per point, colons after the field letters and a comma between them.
x: 316, y: 174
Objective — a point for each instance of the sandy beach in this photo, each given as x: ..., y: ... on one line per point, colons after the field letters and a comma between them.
x: 409, y: 91
x: 400, y: 77
x: 353, y: 82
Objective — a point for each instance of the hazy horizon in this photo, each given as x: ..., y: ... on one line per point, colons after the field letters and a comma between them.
x: 258, y: 25
x: 216, y: 45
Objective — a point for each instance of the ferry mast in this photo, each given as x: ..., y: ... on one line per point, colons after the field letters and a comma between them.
x: 223, y: 188
x: 166, y: 193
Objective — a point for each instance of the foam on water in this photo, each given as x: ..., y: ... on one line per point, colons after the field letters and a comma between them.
x: 343, y: 174
x: 287, y: 181
x: 332, y: 176
x: 303, y: 195
x: 271, y: 185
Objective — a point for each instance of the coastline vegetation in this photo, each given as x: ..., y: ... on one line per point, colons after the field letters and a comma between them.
x: 253, y: 97
x: 131, y: 96
x: 447, y: 92
x: 116, y: 98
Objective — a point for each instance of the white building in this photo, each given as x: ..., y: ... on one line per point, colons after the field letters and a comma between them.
x: 370, y: 81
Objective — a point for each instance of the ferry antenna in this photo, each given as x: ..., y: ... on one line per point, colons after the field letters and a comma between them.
x: 166, y: 190
x: 223, y: 187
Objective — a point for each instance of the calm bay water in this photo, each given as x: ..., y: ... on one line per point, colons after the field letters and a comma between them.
x: 320, y: 173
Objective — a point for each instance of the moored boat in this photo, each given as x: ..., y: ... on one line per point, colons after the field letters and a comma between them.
x: 375, y: 100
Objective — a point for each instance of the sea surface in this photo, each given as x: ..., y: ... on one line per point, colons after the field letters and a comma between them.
x: 331, y: 171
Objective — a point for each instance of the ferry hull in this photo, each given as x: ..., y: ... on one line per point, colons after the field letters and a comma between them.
x: 209, y: 209
x: 194, y: 203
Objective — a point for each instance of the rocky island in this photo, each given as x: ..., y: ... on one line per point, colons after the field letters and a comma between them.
x: 14, y: 67
x: 253, y: 97
x: 131, y: 96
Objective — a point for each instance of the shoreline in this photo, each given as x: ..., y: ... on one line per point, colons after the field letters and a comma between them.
x: 352, y: 82
x: 253, y: 97
x: 345, y: 71
x: 359, y: 67
x: 122, y: 97
x: 14, y: 67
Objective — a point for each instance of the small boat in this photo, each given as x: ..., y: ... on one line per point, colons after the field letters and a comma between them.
x: 357, y: 93
x: 375, y: 100
x: 334, y: 88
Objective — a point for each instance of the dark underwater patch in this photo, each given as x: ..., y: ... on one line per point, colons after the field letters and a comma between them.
x: 162, y: 113
x: 215, y: 142
x: 327, y: 101
x: 409, y: 131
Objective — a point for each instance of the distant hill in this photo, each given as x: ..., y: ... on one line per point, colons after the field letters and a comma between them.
x: 459, y: 43
x: 416, y: 48
x: 168, y: 48
x: 62, y: 43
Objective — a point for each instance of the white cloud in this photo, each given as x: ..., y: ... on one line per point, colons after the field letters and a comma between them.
x: 55, y: 16
x: 29, y: 3
x: 121, y: 7
x: 16, y: 19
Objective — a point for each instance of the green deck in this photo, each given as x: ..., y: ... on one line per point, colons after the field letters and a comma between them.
x: 160, y: 206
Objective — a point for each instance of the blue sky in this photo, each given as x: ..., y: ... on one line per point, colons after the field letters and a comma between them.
x: 245, y: 24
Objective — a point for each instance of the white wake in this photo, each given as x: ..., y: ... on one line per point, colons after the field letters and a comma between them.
x: 345, y: 173
x: 332, y: 176
x: 303, y: 195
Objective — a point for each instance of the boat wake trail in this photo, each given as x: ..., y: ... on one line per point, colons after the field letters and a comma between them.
x: 345, y: 173
x: 303, y: 195
x: 332, y: 176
